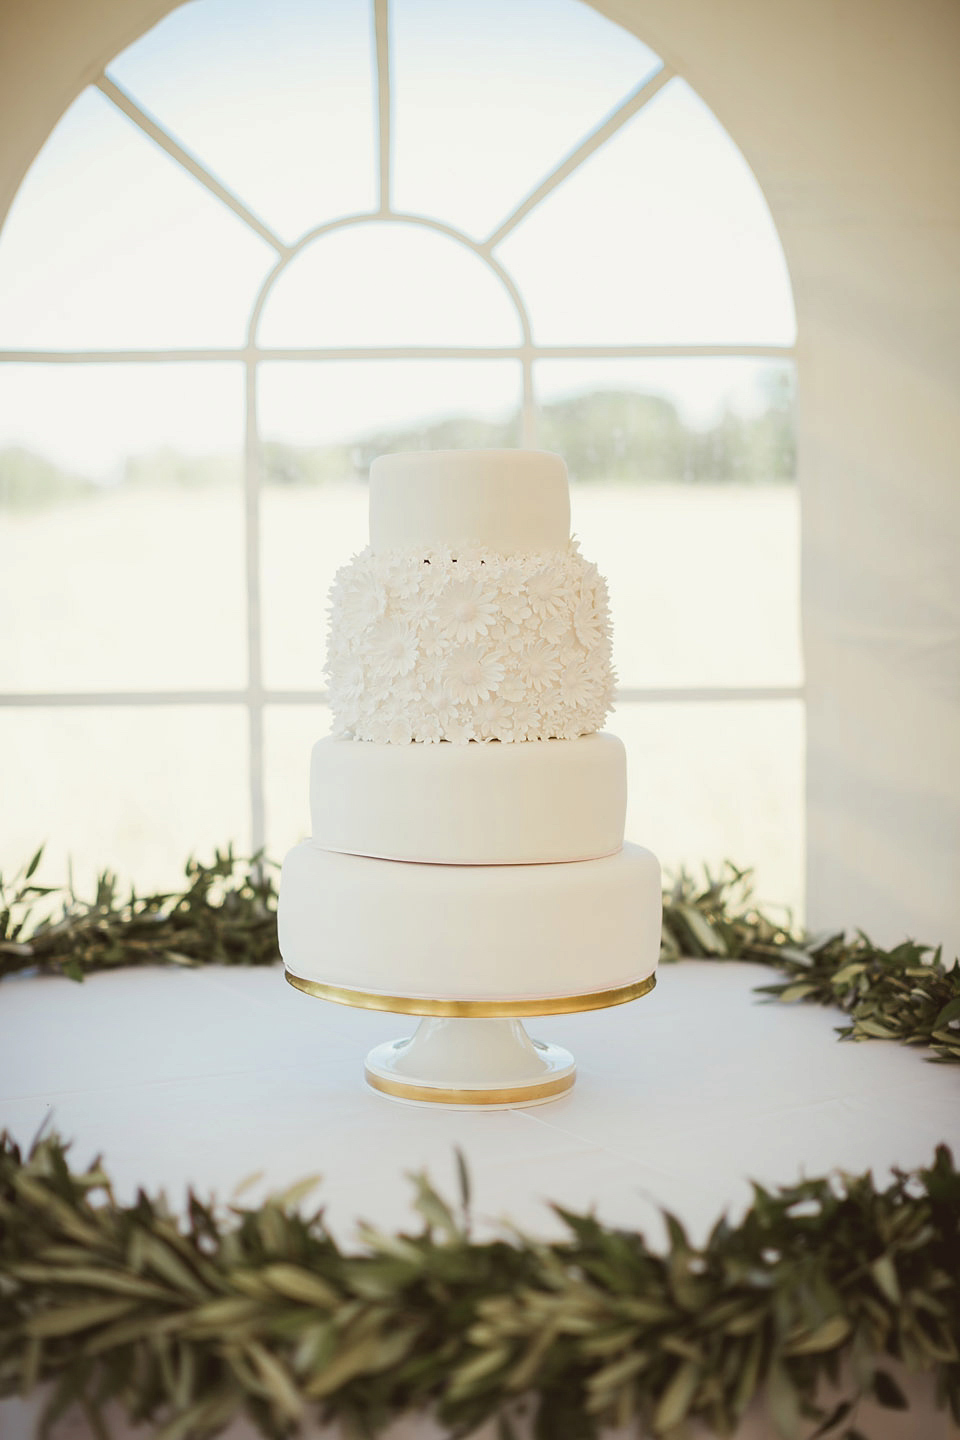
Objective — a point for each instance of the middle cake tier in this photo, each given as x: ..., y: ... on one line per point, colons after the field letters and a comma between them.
x: 480, y: 804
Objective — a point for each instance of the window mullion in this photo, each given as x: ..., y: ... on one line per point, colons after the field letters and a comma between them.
x: 190, y: 163
x: 255, y: 698
x: 591, y: 142
x: 381, y: 31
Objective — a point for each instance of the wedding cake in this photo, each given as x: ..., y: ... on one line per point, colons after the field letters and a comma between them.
x: 468, y: 809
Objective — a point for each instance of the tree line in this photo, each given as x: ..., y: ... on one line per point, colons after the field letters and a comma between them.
x: 611, y: 435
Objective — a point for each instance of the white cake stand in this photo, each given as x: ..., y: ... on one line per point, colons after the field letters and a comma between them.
x: 471, y: 1054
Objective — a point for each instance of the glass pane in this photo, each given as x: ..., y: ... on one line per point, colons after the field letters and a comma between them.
x: 136, y: 790
x: 323, y: 423
x: 662, y: 237
x: 681, y: 492
x: 122, y: 510
x: 489, y: 98
x: 111, y: 244
x: 290, y: 732
x: 276, y: 100
x: 715, y: 782
x: 388, y: 284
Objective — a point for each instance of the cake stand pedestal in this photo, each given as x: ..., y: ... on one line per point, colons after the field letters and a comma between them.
x: 474, y: 1063
x: 471, y: 1054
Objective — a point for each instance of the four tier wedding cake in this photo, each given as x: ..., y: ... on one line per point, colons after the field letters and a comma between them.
x: 468, y: 811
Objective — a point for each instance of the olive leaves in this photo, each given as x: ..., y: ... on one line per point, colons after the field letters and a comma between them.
x: 188, y: 1322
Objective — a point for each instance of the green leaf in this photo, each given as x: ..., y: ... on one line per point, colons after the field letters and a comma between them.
x: 888, y: 1392
x: 350, y: 1361
x: 950, y: 1011
x: 463, y: 1179
x: 702, y: 931
x: 678, y: 1396
x: 838, y: 1413
x: 784, y: 1403
x: 847, y: 973
x: 467, y: 1376
x: 298, y: 1284
x: 290, y: 1198
x: 884, y: 1273
x: 798, y: 992
x: 874, y: 1029
x: 277, y: 1379
x: 827, y: 1336
x: 614, y: 1376
x: 68, y: 1319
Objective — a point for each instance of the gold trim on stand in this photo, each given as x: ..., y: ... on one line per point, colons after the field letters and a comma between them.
x: 492, y: 1009
x: 440, y: 1095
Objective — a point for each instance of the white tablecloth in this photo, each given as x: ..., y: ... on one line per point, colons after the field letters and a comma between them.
x: 206, y: 1076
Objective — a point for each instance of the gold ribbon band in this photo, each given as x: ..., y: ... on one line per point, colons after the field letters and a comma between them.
x: 489, y: 1009
x: 438, y: 1095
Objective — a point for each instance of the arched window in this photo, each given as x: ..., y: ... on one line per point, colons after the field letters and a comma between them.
x: 270, y: 242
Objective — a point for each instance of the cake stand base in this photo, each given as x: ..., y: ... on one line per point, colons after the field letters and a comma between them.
x: 470, y: 1064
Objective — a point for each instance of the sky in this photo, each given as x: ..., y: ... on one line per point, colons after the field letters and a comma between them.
x: 661, y: 237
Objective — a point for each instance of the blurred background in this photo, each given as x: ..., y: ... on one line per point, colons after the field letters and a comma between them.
x: 271, y: 242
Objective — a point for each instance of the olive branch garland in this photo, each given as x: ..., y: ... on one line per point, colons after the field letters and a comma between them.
x: 226, y: 915
x: 188, y: 1322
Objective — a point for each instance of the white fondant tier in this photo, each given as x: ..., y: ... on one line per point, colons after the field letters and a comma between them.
x: 513, y: 501
x: 470, y: 932
x: 556, y: 800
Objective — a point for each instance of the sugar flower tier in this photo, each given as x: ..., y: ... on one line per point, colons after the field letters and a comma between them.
x: 467, y: 862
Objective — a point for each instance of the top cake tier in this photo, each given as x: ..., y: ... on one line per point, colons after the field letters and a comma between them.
x: 512, y: 501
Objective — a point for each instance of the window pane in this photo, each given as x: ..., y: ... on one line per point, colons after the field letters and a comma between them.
x: 715, y: 782
x: 136, y: 790
x: 662, y: 237
x: 276, y: 99
x: 323, y: 423
x: 121, y: 503
x: 681, y: 492
x: 290, y: 732
x: 489, y: 98
x: 388, y: 284
x: 111, y: 244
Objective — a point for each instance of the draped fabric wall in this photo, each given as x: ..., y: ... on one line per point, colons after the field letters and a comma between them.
x: 850, y: 117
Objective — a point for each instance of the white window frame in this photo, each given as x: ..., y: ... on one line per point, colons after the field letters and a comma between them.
x: 254, y: 697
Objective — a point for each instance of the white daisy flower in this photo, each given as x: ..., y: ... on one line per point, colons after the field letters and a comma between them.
x: 427, y: 729
x: 459, y: 732
x: 586, y: 622
x: 513, y: 687
x: 491, y: 716
x: 438, y: 702
x: 472, y: 674
x: 554, y: 628
x: 508, y: 637
x: 347, y: 681
x: 515, y: 608
x: 539, y: 665
x: 577, y: 684
x: 511, y: 580
x: 399, y: 731
x: 394, y: 648
x: 466, y: 609
x: 363, y: 602
x: 526, y: 720
x: 547, y: 590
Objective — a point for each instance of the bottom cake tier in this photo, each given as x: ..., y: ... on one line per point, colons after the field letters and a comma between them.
x: 489, y: 934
